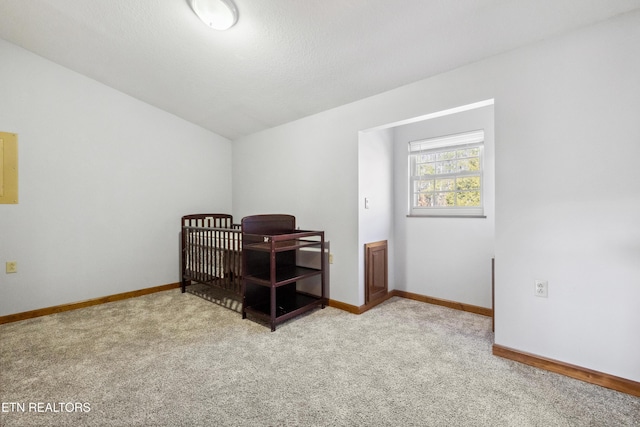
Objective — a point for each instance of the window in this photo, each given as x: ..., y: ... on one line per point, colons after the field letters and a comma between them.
x: 446, y: 175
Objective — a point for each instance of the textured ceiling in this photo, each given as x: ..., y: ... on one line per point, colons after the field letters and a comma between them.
x: 285, y: 59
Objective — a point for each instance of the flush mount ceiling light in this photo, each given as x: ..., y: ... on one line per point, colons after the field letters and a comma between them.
x: 218, y: 14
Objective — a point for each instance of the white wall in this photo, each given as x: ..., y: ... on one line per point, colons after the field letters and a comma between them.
x: 566, y: 136
x: 375, y: 178
x: 568, y: 199
x: 291, y: 170
x: 446, y: 258
x: 103, y: 182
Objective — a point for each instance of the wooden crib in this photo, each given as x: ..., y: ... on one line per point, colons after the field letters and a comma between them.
x: 211, y: 264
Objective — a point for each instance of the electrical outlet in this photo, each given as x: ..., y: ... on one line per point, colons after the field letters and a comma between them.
x: 541, y: 288
x: 12, y: 267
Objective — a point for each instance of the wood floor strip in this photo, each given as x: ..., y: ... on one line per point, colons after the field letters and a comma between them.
x: 76, y: 305
x: 359, y: 309
x: 344, y: 306
x: 587, y: 375
x: 445, y: 303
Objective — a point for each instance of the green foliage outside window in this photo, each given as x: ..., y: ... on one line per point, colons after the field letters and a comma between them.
x: 462, y: 190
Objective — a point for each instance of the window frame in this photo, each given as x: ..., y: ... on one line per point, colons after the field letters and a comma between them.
x: 471, y: 139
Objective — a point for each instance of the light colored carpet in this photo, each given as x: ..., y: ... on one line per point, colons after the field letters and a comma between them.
x: 172, y: 359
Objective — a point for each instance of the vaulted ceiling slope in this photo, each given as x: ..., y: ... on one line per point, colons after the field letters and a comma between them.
x: 285, y: 59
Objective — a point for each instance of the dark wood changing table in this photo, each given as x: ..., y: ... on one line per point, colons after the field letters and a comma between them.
x: 270, y: 272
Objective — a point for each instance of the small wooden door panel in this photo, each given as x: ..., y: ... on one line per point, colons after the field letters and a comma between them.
x: 376, y: 274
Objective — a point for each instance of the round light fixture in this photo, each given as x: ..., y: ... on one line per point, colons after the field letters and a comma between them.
x: 217, y: 14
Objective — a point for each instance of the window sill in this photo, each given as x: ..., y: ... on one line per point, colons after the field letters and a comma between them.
x: 446, y: 216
